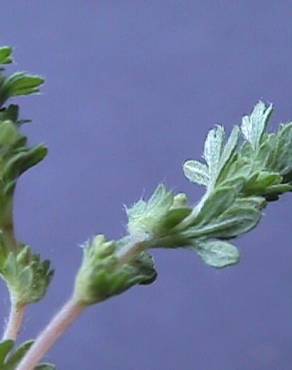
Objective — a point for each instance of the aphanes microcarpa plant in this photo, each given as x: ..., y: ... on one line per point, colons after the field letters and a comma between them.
x: 242, y: 173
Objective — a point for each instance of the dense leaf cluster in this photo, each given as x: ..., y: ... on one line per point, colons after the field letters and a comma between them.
x: 241, y: 174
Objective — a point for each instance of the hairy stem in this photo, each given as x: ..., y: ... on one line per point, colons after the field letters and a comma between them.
x: 14, y: 322
x: 46, y: 340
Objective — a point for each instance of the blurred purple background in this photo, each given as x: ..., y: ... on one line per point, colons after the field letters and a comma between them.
x: 132, y: 89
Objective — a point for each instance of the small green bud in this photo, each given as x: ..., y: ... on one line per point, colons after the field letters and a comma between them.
x: 158, y: 216
x: 180, y: 201
x: 101, y: 276
x: 26, y: 276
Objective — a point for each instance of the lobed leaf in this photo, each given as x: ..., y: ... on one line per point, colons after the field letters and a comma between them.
x: 213, y: 149
x: 253, y: 126
x: 196, y: 172
x: 217, y: 253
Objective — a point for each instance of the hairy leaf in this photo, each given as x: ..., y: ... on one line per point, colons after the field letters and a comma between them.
x: 253, y: 126
x: 218, y: 253
x: 196, y: 172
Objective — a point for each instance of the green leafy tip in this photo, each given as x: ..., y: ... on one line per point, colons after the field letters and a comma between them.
x: 241, y: 172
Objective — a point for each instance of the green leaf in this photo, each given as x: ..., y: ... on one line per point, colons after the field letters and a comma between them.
x: 282, y: 154
x: 24, y: 160
x: 256, y: 202
x: 229, y: 148
x: 20, y: 84
x: 46, y: 367
x: 260, y: 182
x: 216, y: 203
x: 218, y: 156
x: 6, y: 55
x: 10, y: 359
x: 218, y: 253
x: 213, y: 149
x: 236, y: 220
x: 237, y: 167
x: 173, y: 218
x: 15, y: 357
x: 21, y: 162
x: 5, y: 347
x: 196, y: 172
x: 264, y: 153
x: 253, y: 126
